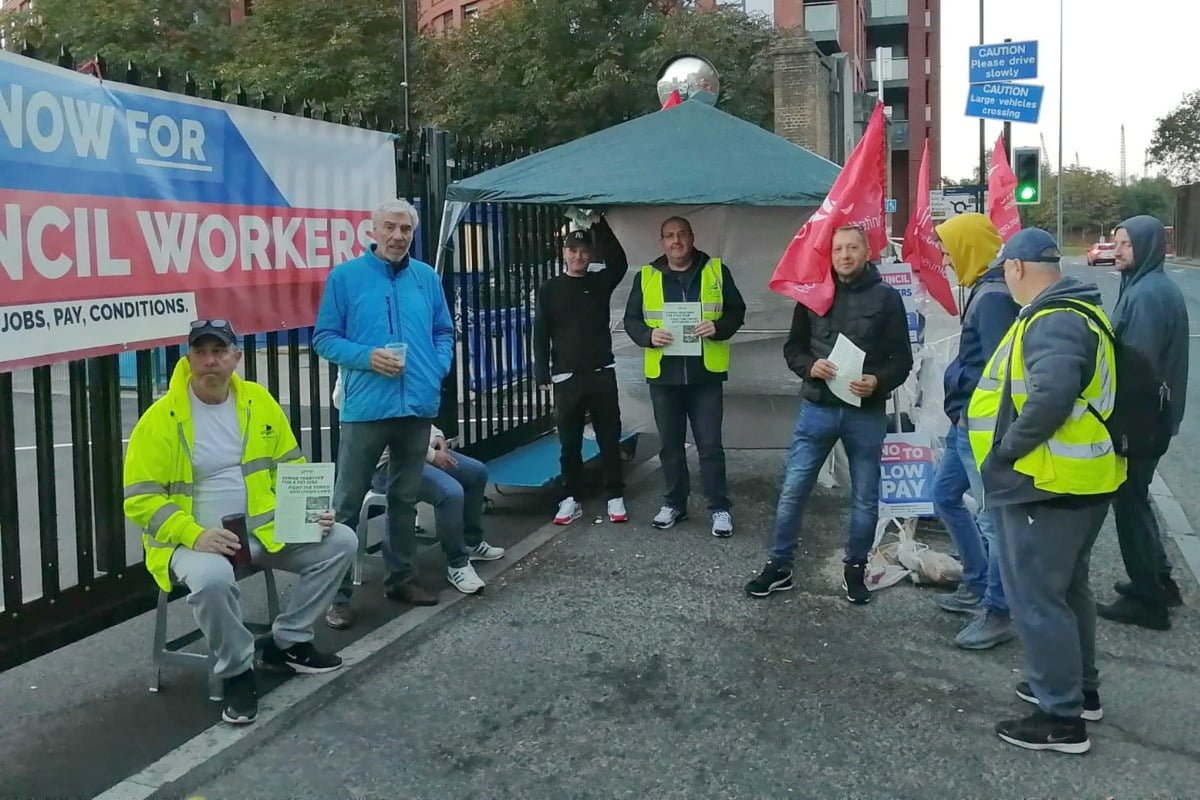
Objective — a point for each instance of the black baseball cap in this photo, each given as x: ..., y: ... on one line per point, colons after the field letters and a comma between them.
x: 577, y: 239
x: 220, y: 329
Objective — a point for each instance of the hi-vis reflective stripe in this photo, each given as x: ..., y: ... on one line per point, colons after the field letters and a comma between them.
x: 257, y: 465
x: 1095, y: 450
x: 291, y: 455
x: 991, y: 385
x: 259, y: 520
x: 652, y: 315
x: 712, y: 308
x: 145, y: 487
x: 152, y: 542
x: 160, y: 518
x: 985, y: 424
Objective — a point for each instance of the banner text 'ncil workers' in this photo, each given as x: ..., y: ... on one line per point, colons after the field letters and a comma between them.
x: 43, y: 244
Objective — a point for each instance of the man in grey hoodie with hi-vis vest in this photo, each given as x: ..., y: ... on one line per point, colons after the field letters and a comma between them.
x: 1150, y: 317
x: 1049, y: 467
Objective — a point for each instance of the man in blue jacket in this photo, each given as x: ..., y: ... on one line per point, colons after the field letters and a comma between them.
x: 1151, y: 317
x: 969, y: 244
x: 384, y: 321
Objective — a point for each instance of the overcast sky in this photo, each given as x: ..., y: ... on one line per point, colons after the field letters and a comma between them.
x: 1128, y: 61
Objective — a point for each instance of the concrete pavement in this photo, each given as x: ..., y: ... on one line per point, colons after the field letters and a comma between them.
x: 620, y: 661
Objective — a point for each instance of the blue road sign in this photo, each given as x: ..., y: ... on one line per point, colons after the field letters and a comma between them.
x: 1009, y: 102
x: 890, y: 205
x: 1009, y: 61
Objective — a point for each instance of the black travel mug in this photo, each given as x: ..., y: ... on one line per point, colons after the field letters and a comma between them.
x: 236, y: 523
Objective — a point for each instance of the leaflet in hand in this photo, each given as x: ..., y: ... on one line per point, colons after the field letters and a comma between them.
x: 848, y: 358
x: 303, y: 492
x: 681, y: 320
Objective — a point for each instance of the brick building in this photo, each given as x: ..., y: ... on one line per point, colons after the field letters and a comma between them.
x: 908, y: 33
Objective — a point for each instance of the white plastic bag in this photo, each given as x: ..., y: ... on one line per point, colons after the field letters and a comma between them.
x: 883, y: 564
x: 926, y: 565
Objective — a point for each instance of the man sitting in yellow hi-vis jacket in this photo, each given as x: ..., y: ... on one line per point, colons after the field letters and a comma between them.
x: 206, y: 451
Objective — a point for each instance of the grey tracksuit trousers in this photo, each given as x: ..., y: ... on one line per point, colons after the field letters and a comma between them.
x: 214, y: 596
x: 1045, y: 552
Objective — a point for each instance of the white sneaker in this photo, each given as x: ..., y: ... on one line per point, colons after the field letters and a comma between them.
x: 485, y: 552
x: 668, y: 516
x: 465, y: 579
x: 722, y: 524
x: 568, y: 512
x: 616, y: 510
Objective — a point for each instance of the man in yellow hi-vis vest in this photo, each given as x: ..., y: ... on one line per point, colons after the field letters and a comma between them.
x: 687, y: 386
x: 1036, y: 423
x: 208, y: 451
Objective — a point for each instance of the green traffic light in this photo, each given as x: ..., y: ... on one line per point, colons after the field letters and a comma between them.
x: 1027, y: 193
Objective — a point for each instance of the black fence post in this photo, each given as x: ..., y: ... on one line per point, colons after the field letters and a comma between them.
x: 10, y: 527
x: 440, y: 162
x: 105, y: 396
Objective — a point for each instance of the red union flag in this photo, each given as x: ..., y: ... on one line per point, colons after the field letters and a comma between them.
x: 1002, y: 204
x: 920, y: 247
x: 673, y: 99
x: 804, y: 271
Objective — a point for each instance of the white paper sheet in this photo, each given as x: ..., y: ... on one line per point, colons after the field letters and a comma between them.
x: 848, y: 358
x: 681, y: 319
x: 302, y: 493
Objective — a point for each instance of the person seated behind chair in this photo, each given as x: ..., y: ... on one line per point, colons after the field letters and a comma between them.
x: 453, y: 484
x: 206, y: 450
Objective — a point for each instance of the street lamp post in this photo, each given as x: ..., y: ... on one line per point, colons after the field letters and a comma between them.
x: 1059, y: 190
x: 404, y: 57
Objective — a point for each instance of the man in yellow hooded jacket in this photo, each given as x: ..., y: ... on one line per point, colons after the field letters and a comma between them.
x: 969, y: 245
x: 208, y: 451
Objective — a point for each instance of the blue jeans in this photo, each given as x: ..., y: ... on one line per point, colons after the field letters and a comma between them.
x: 974, y: 536
x: 703, y: 404
x: 456, y: 494
x: 818, y: 428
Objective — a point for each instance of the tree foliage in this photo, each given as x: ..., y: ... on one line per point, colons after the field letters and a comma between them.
x: 178, y: 36
x: 1176, y: 142
x: 1093, y: 202
x: 530, y: 72
x: 540, y: 72
x: 343, y: 53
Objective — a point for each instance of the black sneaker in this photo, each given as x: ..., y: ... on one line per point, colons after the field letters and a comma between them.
x: 1130, y: 611
x: 241, y: 699
x: 1092, y: 710
x: 854, y: 582
x: 300, y: 657
x: 1171, y: 591
x: 773, y: 578
x: 1040, y: 731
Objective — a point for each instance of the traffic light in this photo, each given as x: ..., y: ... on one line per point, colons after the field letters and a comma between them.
x: 1027, y: 166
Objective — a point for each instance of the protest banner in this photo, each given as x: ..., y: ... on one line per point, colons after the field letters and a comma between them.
x: 906, y: 476
x: 127, y: 212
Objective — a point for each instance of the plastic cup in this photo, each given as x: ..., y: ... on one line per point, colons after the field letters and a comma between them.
x: 399, y: 350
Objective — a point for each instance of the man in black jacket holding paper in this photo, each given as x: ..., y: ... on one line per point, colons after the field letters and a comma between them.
x: 870, y: 315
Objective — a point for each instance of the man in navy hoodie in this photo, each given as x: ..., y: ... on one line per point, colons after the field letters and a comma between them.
x: 384, y: 321
x: 969, y: 245
x: 1151, y: 317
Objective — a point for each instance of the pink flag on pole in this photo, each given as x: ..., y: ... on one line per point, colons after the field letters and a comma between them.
x: 804, y: 272
x: 1002, y: 202
x: 920, y: 247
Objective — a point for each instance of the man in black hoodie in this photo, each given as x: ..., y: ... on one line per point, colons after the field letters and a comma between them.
x: 1150, y: 316
x: 573, y: 353
x: 869, y: 313
x: 685, y: 387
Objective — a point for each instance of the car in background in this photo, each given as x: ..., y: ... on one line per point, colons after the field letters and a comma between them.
x: 1102, y: 253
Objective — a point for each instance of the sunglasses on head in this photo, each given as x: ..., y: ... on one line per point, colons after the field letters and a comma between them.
x: 221, y: 324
